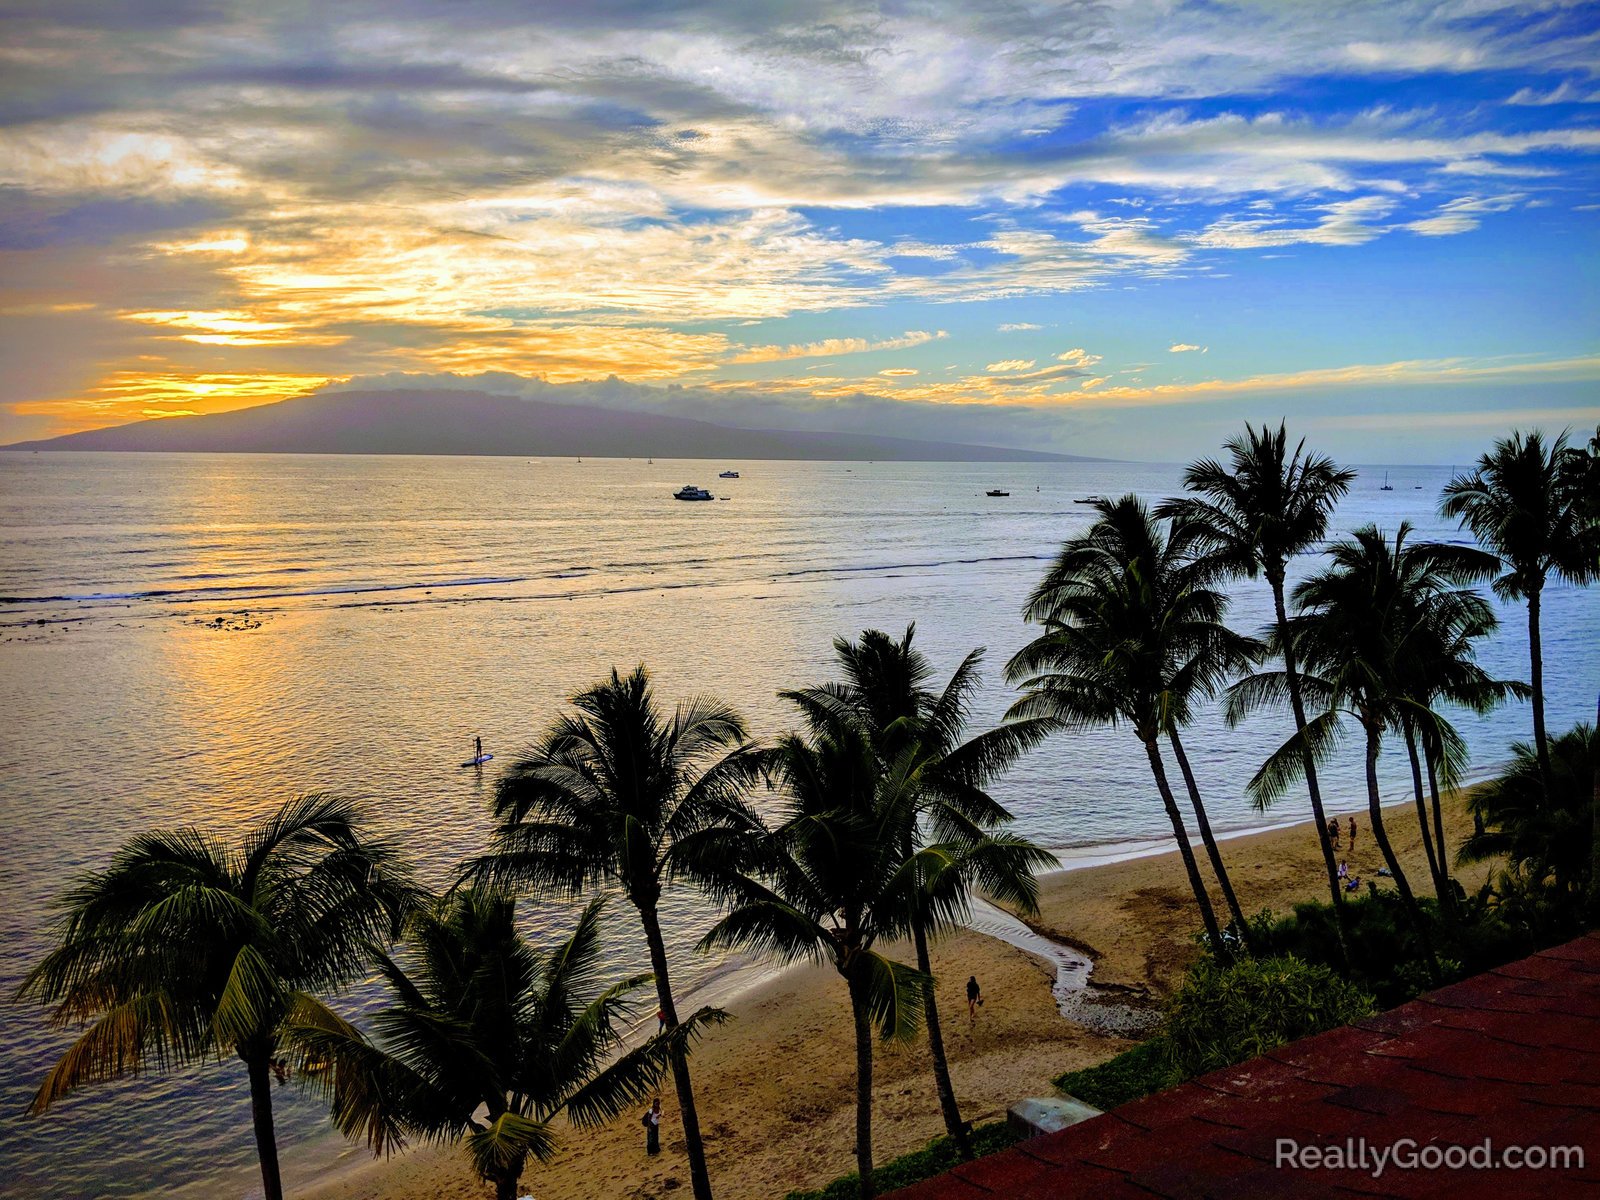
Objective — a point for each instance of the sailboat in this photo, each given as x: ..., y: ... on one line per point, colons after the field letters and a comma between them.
x: 1386, y: 487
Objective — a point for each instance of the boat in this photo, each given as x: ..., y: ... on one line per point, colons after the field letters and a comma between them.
x: 690, y: 492
x: 1090, y: 500
x: 1386, y: 487
x: 729, y: 475
x: 996, y: 492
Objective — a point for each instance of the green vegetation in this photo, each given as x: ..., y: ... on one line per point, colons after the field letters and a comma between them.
x: 1144, y: 1069
x: 937, y: 1157
x: 1227, y: 1013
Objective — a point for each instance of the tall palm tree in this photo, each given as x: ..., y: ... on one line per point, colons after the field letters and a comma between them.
x: 829, y: 883
x: 485, y: 1041
x: 1134, y: 634
x: 186, y: 949
x: 1258, y: 513
x: 1526, y: 503
x: 1362, y: 624
x: 620, y: 794
x: 956, y: 823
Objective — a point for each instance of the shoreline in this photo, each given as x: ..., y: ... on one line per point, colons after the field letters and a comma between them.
x: 775, y: 1084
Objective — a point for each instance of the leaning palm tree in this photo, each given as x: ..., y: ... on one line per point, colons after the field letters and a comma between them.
x: 1362, y: 624
x: 1134, y: 634
x: 485, y: 1041
x: 953, y: 832
x: 829, y: 883
x: 186, y: 950
x: 621, y: 794
x: 1526, y: 503
x: 1258, y: 513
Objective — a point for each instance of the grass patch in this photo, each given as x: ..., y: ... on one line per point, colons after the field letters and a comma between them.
x: 1134, y: 1073
x: 937, y: 1157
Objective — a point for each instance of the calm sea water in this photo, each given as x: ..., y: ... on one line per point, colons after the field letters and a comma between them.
x: 377, y: 613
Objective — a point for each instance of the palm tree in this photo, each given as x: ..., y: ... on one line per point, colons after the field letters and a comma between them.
x: 829, y: 883
x: 1442, y: 668
x: 186, y: 949
x: 1134, y: 633
x: 1545, y: 837
x: 1258, y: 513
x: 1526, y: 503
x: 619, y: 794
x: 484, y: 1024
x: 1363, y: 623
x: 886, y: 697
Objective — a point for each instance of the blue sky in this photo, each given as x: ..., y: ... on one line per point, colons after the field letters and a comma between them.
x: 1109, y: 228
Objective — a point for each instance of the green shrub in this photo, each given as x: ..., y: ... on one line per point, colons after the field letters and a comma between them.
x: 1134, y: 1073
x: 1384, y: 955
x: 937, y: 1157
x: 1226, y: 1014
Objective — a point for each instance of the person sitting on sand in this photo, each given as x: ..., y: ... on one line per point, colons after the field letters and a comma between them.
x: 1353, y: 883
x: 974, y: 997
x: 1344, y: 869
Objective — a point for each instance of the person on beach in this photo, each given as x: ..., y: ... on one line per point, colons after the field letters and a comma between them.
x: 974, y: 997
x: 661, y: 1020
x: 1344, y: 869
x: 652, y: 1127
x: 1352, y: 835
x: 1333, y: 831
x: 1352, y: 883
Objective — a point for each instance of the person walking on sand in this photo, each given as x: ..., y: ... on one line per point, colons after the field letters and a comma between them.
x: 974, y: 997
x: 652, y: 1127
x: 1352, y: 835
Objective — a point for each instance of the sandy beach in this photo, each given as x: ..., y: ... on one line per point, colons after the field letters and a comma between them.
x: 775, y: 1085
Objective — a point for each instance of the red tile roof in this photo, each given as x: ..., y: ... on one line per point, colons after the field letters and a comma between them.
x: 1511, y: 1056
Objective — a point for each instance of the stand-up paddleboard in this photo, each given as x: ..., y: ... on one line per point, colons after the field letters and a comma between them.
x: 477, y: 762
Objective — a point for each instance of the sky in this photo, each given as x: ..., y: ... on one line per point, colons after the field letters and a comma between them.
x: 1105, y: 227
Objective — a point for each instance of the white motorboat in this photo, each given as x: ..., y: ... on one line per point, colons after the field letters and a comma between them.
x: 690, y: 492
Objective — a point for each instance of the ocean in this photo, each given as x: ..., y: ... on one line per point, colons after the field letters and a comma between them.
x: 193, y: 638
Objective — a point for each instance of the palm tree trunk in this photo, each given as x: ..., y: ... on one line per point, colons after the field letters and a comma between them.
x: 953, y: 1123
x: 1438, y: 815
x: 1308, y: 762
x: 258, y: 1065
x: 505, y: 1187
x: 699, y: 1177
x: 1212, y: 851
x: 1541, y: 741
x: 1422, y: 814
x: 1153, y: 752
x: 858, y: 1009
x: 1381, y: 836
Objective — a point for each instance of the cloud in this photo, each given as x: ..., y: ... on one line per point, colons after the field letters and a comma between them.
x: 1181, y: 348
x: 1018, y: 326
x: 1565, y: 92
x: 1078, y: 357
x: 832, y: 346
x: 1010, y: 364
